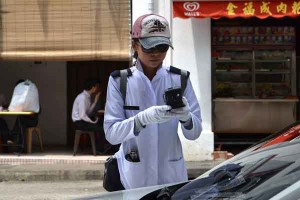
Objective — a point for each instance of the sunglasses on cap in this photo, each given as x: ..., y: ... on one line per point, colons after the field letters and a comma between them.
x: 162, y: 48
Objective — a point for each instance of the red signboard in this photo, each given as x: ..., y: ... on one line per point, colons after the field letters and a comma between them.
x: 232, y: 9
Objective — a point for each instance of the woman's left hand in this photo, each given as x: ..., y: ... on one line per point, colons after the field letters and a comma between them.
x: 183, y: 113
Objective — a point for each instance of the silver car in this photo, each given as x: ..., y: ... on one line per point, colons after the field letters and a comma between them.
x: 268, y: 170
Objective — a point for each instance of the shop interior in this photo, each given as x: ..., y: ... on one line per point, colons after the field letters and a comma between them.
x: 266, y: 77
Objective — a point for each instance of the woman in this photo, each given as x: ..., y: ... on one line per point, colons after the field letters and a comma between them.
x: 150, y: 151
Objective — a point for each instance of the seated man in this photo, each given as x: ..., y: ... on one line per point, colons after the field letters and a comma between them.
x: 84, y: 109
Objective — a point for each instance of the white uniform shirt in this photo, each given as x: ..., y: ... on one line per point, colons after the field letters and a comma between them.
x: 82, y: 108
x: 158, y: 145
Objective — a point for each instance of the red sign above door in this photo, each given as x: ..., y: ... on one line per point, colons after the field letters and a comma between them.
x: 232, y: 9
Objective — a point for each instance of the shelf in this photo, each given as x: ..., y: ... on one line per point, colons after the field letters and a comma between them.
x: 271, y: 72
x: 244, y: 99
x: 273, y: 83
x: 235, y: 83
x: 253, y: 46
x: 272, y: 60
x: 233, y: 71
x: 233, y: 61
x: 254, y: 76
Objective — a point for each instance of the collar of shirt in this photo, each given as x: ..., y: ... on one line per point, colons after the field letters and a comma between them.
x: 87, y: 94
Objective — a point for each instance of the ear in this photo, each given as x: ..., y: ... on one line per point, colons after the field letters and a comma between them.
x: 134, y: 46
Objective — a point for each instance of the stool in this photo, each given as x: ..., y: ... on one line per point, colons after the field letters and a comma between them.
x: 78, y: 133
x: 29, y: 132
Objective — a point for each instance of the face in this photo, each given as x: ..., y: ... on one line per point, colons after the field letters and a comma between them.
x: 96, y: 88
x: 150, y: 58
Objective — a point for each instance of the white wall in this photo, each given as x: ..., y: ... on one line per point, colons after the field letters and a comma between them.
x: 50, y: 78
x: 141, y: 7
x: 192, y: 51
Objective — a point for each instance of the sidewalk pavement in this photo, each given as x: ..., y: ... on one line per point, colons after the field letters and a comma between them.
x: 63, y: 166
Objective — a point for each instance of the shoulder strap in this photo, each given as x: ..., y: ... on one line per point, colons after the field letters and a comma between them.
x: 124, y: 74
x: 117, y: 73
x: 123, y: 83
x: 184, y: 75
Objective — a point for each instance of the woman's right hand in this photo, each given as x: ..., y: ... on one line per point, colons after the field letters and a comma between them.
x: 155, y: 114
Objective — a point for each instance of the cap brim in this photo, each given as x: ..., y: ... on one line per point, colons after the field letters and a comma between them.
x: 151, y: 42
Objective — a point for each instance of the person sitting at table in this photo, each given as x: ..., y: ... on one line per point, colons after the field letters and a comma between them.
x: 83, y: 112
x: 24, y: 121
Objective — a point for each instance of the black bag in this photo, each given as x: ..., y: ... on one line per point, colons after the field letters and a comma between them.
x: 111, y: 178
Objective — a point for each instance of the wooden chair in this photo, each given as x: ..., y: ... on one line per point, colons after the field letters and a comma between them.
x: 78, y: 133
x: 29, y: 132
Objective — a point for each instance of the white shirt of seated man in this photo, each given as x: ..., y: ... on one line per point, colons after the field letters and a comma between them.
x: 83, y: 107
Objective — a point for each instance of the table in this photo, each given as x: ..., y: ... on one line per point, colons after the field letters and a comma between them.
x: 17, y: 113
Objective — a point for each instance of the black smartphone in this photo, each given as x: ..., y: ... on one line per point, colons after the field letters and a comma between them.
x: 173, y: 97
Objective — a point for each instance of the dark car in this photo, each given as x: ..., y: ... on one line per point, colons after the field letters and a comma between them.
x: 268, y: 170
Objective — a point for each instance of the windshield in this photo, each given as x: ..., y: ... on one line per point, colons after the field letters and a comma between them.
x: 260, y: 174
x: 235, y: 181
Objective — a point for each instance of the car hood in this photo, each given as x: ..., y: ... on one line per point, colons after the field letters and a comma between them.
x: 127, y: 194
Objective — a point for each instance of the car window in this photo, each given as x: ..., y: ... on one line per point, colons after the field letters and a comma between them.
x: 265, y: 170
x: 259, y: 175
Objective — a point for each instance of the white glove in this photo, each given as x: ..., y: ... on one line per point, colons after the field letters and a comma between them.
x: 183, y: 113
x: 155, y: 114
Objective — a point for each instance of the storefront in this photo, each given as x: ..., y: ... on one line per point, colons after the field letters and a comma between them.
x: 242, y: 57
x: 253, y: 63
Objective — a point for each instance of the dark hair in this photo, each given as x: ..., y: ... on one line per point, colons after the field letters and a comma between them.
x: 20, y: 81
x: 135, y: 54
x: 91, y: 83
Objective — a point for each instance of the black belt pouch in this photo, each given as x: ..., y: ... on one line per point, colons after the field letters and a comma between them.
x: 111, y: 178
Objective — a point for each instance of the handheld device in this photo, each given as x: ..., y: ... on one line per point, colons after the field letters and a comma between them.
x: 173, y: 97
x: 133, y: 156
